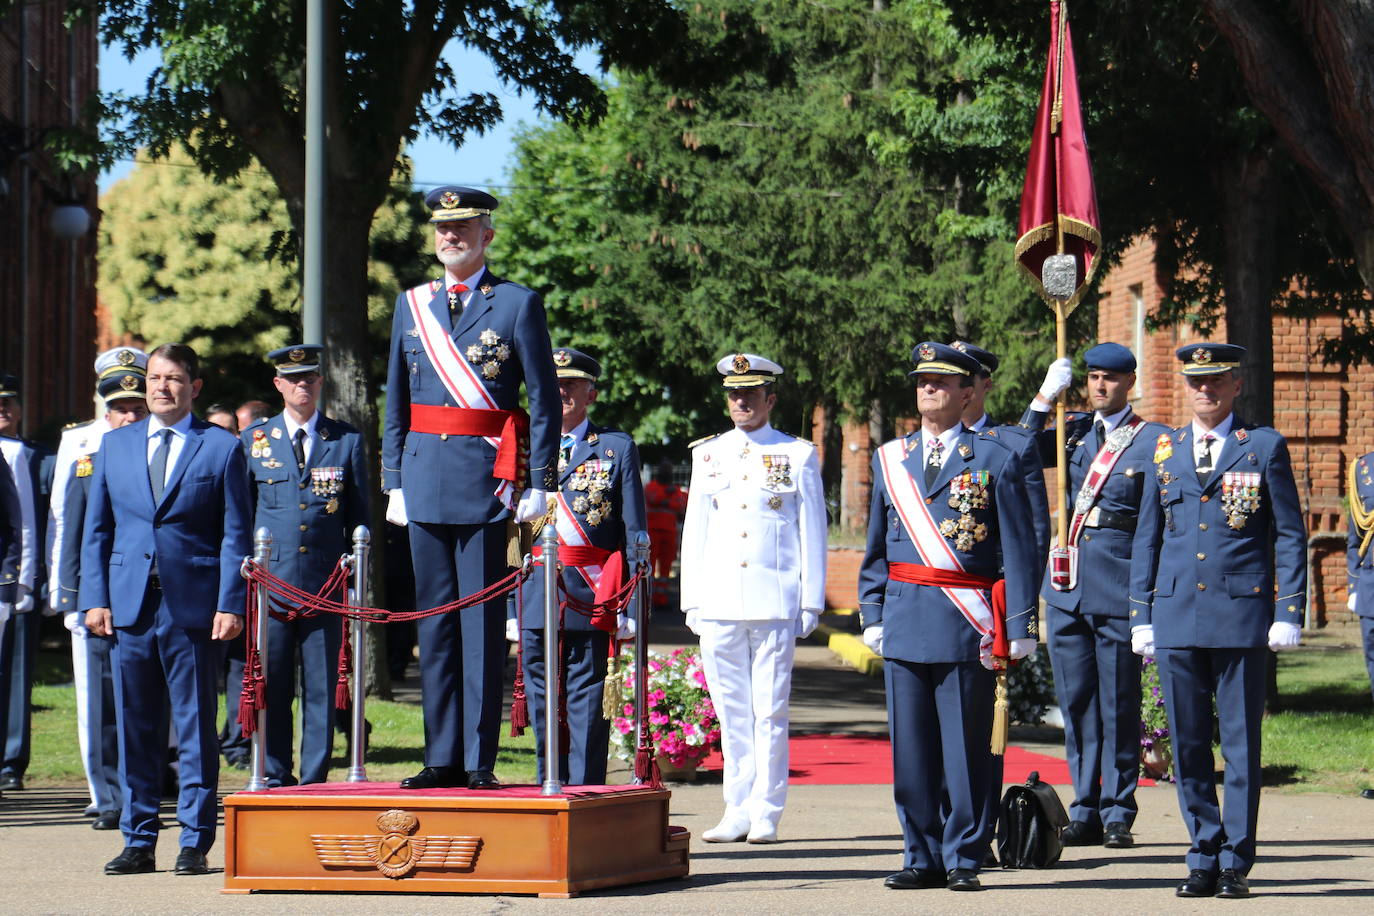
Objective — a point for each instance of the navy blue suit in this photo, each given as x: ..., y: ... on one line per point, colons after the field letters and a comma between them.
x: 1211, y: 590
x: 620, y: 518
x: 19, y: 637
x: 311, y: 514
x: 457, y: 527
x: 1360, y: 568
x: 196, y: 538
x: 1097, y: 676
x: 10, y: 545
x: 939, y: 696
x: 1022, y: 440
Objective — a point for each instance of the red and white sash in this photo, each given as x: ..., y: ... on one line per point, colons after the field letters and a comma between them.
x: 462, y: 381
x: 1064, y: 560
x: 570, y: 534
x: 932, y: 546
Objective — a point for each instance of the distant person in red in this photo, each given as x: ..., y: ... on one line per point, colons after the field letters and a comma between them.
x: 666, y: 502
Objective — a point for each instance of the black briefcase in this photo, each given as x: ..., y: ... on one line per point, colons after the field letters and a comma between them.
x: 1032, y: 818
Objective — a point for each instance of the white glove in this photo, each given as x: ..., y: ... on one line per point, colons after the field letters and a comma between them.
x: 512, y: 630
x: 1143, y: 640
x: 694, y: 621
x: 23, y: 602
x: 1020, y: 648
x: 533, y: 505
x: 49, y: 608
x: 624, y: 627
x: 1058, y: 376
x: 1284, y: 635
x: 806, y: 623
x: 75, y: 622
x: 396, y: 508
x: 6, y: 609
x: 1350, y: 602
x: 873, y: 638
x: 985, y: 652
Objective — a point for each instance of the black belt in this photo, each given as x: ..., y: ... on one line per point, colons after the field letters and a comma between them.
x: 1117, y: 520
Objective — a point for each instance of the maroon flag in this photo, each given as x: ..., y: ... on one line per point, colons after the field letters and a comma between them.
x: 1058, y: 203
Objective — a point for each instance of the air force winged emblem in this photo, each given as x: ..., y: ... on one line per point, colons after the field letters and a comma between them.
x: 396, y: 853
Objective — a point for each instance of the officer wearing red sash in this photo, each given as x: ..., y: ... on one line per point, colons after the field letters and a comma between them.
x: 950, y: 544
x: 454, y: 466
x: 598, y: 512
x: 1218, y: 577
x: 1095, y: 673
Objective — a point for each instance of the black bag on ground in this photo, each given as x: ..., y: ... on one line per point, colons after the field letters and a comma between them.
x: 1031, y: 821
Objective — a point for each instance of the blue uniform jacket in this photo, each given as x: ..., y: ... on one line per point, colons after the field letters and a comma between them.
x: 41, y: 465
x: 920, y: 624
x: 1104, y: 553
x: 311, y: 520
x: 447, y: 479
x: 1360, y: 570
x: 1201, y: 582
x: 1022, y: 440
x: 197, y: 535
x: 10, y: 545
x: 74, y: 511
x: 611, y: 455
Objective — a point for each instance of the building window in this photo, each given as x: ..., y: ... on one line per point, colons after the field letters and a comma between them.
x: 1138, y: 337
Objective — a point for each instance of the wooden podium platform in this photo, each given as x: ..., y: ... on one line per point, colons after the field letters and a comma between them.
x: 375, y: 837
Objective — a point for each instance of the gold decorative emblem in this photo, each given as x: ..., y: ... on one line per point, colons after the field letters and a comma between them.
x: 775, y: 502
x: 960, y: 346
x: 260, y: 448
x: 271, y: 464
x: 485, y: 288
x: 396, y: 853
x: 1202, y: 356
x: 297, y: 355
x: 125, y: 357
x: 129, y: 382
x: 561, y: 358
x: 449, y: 200
x: 84, y: 468
x: 740, y: 363
x: 489, y: 353
x: 925, y: 351
x: 332, y: 506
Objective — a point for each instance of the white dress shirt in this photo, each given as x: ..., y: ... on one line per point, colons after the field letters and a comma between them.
x: 309, y: 426
x: 1218, y: 434
x: 1112, y: 421
x: 946, y: 443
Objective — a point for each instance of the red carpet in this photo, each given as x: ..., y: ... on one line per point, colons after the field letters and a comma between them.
x: 844, y: 760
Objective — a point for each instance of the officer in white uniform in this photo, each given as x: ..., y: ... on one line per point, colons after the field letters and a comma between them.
x: 753, y: 580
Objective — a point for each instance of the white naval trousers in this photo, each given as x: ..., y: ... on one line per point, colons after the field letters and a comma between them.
x: 748, y: 665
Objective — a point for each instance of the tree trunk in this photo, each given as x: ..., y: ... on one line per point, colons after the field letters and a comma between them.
x: 832, y: 468
x: 1248, y: 187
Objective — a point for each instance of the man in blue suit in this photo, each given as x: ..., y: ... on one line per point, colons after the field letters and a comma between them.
x: 949, y: 518
x: 1360, y: 559
x: 167, y: 528
x: 598, y: 512
x: 310, y: 490
x: 1218, y: 574
x: 453, y: 465
x: 1097, y: 675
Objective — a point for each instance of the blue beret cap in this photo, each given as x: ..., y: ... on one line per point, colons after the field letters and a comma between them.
x: 1111, y: 357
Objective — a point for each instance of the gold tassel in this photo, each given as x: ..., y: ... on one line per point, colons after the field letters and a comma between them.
x: 610, y: 690
x: 1001, y: 714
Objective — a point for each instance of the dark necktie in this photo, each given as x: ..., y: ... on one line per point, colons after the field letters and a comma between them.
x: 455, y: 302
x: 298, y: 445
x: 1204, y: 464
x: 933, y: 463
x: 1101, y: 429
x: 157, y: 468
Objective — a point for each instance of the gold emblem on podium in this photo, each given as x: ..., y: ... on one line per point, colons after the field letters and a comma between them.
x: 397, y: 852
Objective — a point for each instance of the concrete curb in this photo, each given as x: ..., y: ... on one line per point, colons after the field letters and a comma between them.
x: 849, y: 647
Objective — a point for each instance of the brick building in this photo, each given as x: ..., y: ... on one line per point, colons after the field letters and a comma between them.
x: 47, y: 280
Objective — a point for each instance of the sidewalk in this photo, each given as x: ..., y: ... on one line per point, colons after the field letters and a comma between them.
x: 1316, y: 852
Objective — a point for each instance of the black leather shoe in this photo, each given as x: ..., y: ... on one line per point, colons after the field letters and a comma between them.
x: 483, y: 779
x: 1081, y: 833
x: 11, y: 781
x: 911, y: 879
x: 1117, y: 836
x: 436, y: 778
x: 106, y: 820
x: 963, y: 879
x: 1367, y: 793
x: 1199, y: 884
x: 191, y: 861
x: 132, y: 861
x: 1232, y: 885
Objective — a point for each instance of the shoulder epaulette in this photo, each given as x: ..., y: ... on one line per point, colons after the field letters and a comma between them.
x: 703, y: 439
x: 77, y: 424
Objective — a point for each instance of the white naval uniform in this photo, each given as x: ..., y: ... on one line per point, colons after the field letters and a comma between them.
x: 753, y: 556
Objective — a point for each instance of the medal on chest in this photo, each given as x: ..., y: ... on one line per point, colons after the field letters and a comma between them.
x: 777, y: 470
x: 488, y: 353
x: 326, y: 481
x: 260, y: 447
x: 968, y: 491
x: 1240, y: 496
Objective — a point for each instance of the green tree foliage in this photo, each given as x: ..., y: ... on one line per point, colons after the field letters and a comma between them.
x: 211, y: 263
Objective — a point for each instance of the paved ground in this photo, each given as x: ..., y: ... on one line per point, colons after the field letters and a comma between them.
x: 1316, y: 852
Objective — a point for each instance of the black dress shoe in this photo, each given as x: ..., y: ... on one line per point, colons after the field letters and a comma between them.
x: 436, y: 778
x: 106, y: 820
x: 1081, y: 833
x: 911, y: 879
x: 132, y: 861
x: 1367, y: 793
x: 963, y: 879
x: 1117, y: 836
x: 1232, y: 885
x: 483, y: 779
x: 1198, y: 884
x: 11, y: 781
x: 191, y: 861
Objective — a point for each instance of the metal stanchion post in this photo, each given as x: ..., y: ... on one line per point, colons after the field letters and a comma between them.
x: 362, y: 548
x: 262, y: 553
x: 641, y: 554
x: 552, y: 661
